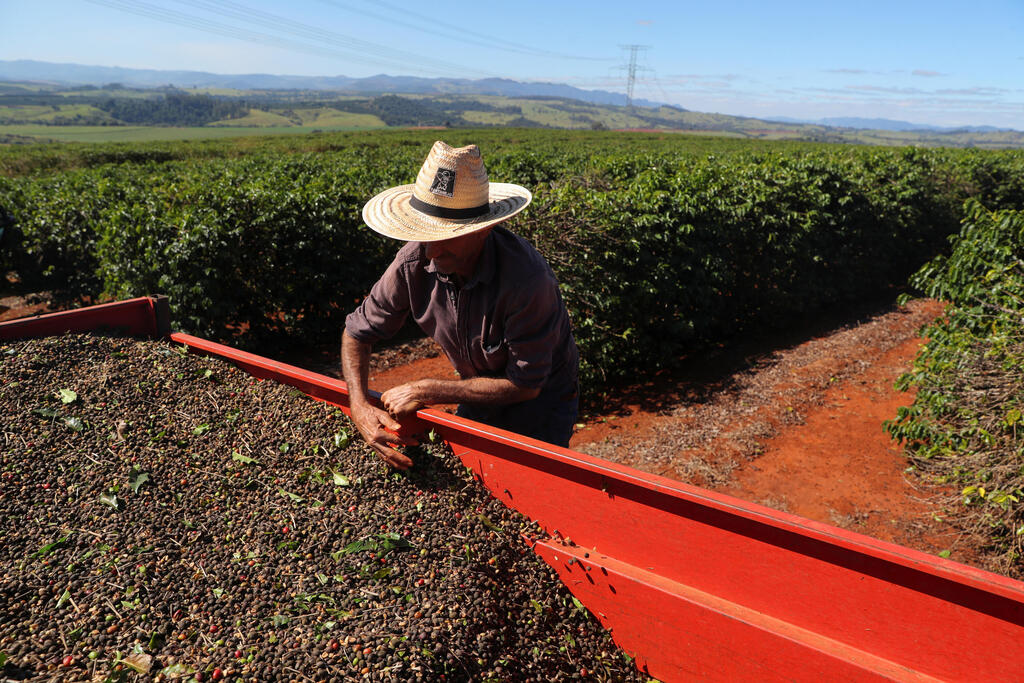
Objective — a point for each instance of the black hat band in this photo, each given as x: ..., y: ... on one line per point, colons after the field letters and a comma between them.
x: 444, y: 212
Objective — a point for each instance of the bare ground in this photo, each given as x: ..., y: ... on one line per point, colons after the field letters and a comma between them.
x: 794, y: 424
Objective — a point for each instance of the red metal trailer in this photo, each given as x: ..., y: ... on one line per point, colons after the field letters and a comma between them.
x: 694, y: 584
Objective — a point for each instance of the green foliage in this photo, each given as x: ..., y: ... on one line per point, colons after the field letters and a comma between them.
x: 395, y: 110
x: 659, y: 255
x: 576, y: 146
x: 275, y: 245
x: 53, y: 229
x: 173, y: 109
x: 662, y: 245
x: 965, y: 426
x: 996, y: 179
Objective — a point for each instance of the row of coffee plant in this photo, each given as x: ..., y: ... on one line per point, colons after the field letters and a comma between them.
x: 966, y: 426
x: 673, y: 255
x: 19, y: 160
x: 660, y: 250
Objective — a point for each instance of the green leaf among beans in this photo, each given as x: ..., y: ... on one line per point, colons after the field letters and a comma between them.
x: 136, y: 479
x: 50, y: 547
x: 245, y: 459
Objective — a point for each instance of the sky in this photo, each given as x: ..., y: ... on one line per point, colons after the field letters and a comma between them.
x: 938, y: 62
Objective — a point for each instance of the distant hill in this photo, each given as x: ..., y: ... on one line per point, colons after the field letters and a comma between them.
x: 54, y: 101
x: 887, y: 124
x: 78, y: 74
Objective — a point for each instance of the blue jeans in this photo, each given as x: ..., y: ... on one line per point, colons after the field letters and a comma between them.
x: 549, y: 418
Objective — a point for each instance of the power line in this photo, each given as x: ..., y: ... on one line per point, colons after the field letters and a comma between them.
x: 455, y: 34
x: 276, y: 22
x: 664, y: 94
x: 339, y: 46
x: 462, y: 34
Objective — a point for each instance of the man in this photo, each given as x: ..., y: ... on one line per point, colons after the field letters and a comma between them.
x: 485, y: 295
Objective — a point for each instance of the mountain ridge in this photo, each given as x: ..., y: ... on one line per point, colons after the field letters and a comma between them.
x: 33, y: 105
x: 80, y: 74
x: 864, y: 123
x: 69, y: 73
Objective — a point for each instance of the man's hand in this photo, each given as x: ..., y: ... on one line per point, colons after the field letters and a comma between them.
x: 405, y: 399
x: 372, y: 422
x: 379, y: 429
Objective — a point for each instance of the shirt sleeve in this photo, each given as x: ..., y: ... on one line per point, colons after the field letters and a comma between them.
x: 532, y: 330
x: 383, y: 312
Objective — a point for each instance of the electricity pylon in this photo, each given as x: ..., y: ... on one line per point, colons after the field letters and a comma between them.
x: 631, y: 70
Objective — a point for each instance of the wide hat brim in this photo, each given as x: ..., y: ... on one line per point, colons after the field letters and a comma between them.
x: 390, y: 214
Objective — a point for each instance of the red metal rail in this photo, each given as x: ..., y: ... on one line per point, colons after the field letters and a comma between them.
x: 698, y: 585
x: 145, y: 316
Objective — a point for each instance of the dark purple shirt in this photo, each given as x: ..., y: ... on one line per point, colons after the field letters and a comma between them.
x: 507, y: 321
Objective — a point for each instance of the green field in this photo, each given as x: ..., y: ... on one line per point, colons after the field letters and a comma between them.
x: 488, y: 118
x: 305, y: 120
x: 49, y: 113
x: 328, y: 117
x: 665, y: 244
x: 27, y: 113
x: 156, y: 133
x: 88, y: 146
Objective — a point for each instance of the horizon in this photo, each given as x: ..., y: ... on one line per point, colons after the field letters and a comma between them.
x: 927, y: 64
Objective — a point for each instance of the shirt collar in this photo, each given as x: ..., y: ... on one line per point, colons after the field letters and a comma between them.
x: 485, y: 265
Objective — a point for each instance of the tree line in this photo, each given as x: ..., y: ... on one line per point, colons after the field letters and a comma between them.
x: 176, y: 109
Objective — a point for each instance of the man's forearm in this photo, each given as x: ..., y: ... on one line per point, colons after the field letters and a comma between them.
x: 481, y: 390
x: 355, y: 366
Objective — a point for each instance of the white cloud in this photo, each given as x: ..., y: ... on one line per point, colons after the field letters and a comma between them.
x: 883, y: 89
x: 977, y: 91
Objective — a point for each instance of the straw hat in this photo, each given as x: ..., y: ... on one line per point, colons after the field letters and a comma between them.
x: 451, y: 197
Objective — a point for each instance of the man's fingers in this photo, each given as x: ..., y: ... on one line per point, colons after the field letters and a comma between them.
x: 383, y: 442
x: 405, y: 409
x: 369, y: 416
x: 394, y: 408
x: 389, y: 422
x: 386, y: 438
x: 401, y: 401
x: 380, y: 431
x: 393, y: 457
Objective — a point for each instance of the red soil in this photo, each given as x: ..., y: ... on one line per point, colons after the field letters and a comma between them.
x: 12, y: 307
x: 800, y: 431
x: 841, y: 467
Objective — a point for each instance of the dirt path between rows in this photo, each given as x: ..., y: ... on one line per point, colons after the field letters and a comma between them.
x: 797, y: 428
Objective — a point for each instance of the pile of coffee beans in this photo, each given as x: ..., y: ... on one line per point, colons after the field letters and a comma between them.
x: 165, y: 516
